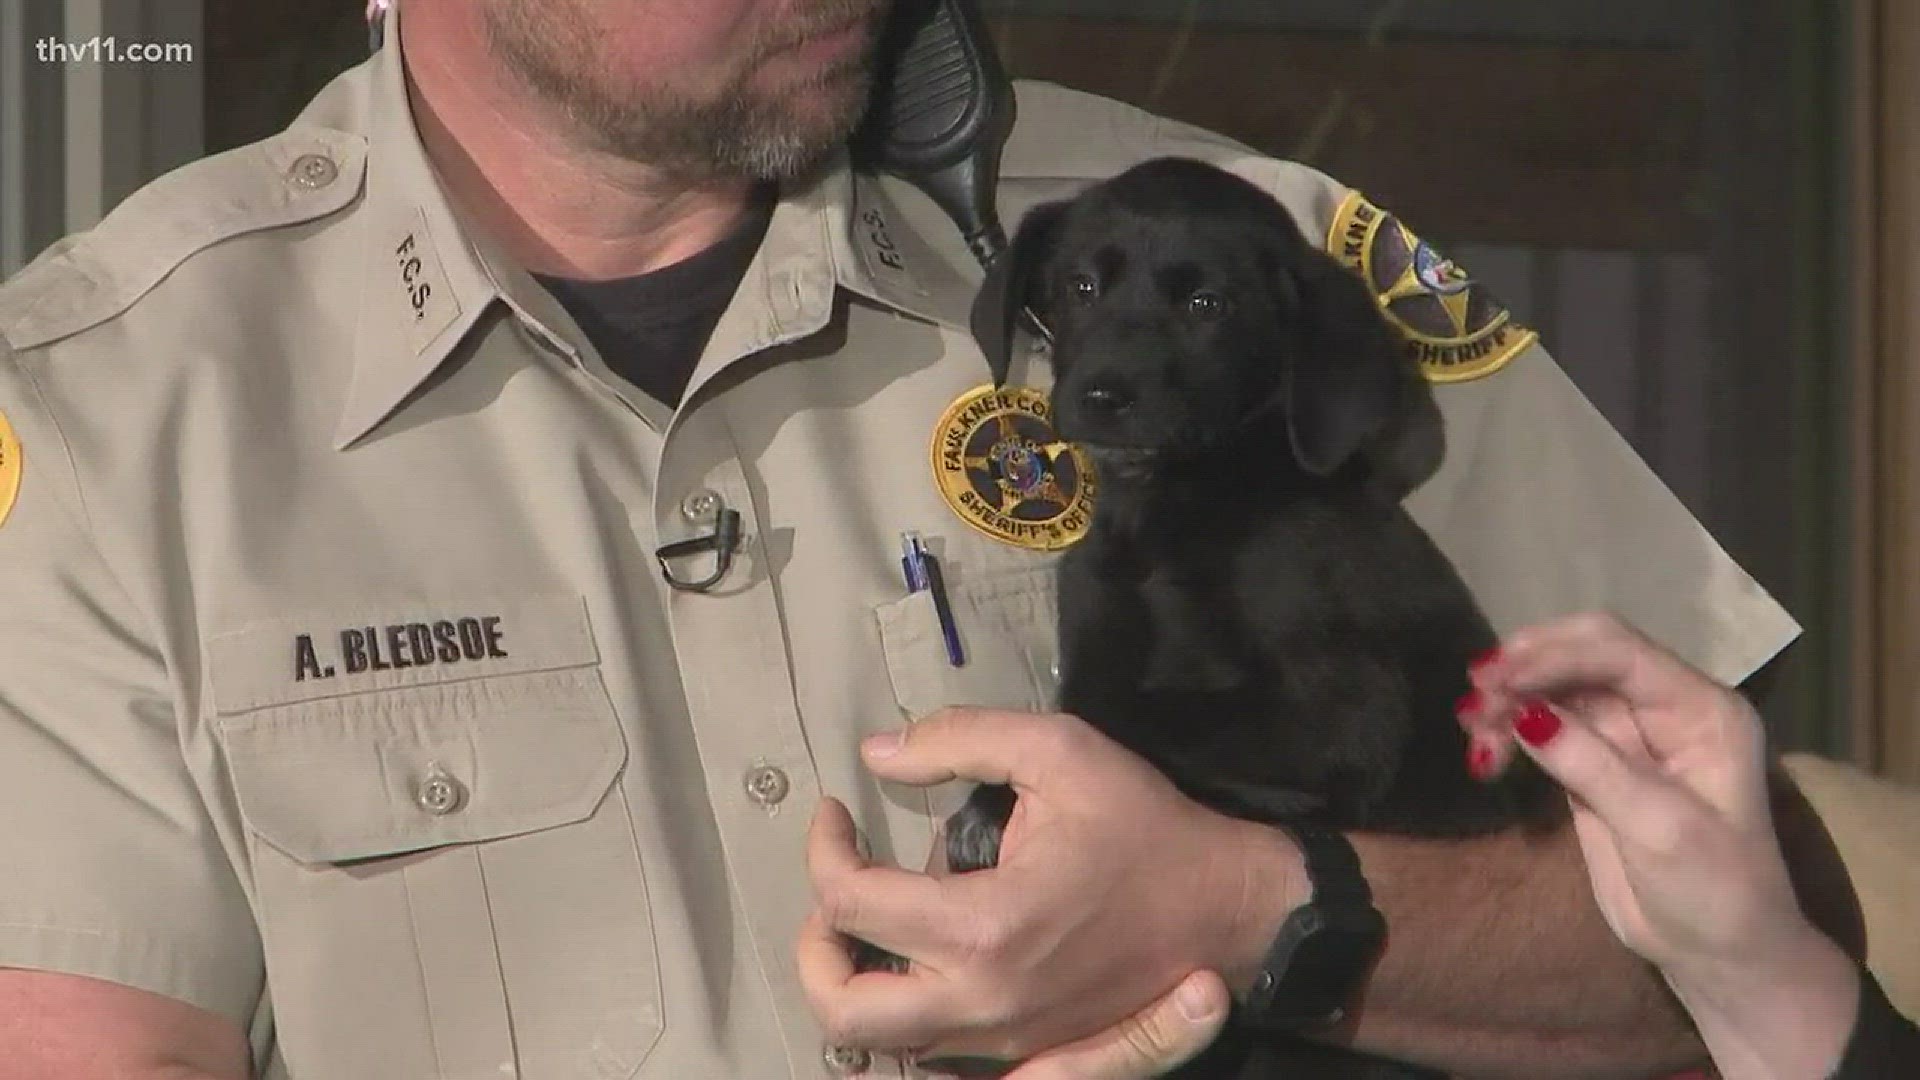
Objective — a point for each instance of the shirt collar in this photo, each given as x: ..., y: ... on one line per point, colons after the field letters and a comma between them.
x: 427, y: 279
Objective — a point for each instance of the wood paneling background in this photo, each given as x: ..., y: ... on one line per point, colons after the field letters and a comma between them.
x: 266, y: 58
x: 1886, y: 553
x: 1497, y: 142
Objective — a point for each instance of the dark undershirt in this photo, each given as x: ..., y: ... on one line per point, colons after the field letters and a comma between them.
x: 650, y: 329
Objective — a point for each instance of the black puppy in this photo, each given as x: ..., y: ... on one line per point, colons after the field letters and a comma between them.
x: 1252, y: 611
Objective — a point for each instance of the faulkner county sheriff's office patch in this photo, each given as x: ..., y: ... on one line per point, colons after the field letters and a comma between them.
x: 1453, y: 324
x: 1004, y: 470
x: 9, y: 467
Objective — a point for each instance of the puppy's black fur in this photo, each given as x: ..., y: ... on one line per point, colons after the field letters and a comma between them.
x: 1252, y: 610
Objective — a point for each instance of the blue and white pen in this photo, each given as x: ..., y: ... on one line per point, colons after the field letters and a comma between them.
x: 923, y: 573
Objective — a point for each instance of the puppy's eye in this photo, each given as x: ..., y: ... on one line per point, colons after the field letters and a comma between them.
x: 1206, y: 305
x: 1084, y: 287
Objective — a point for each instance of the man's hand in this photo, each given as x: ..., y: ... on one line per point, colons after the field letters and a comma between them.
x: 1111, y: 888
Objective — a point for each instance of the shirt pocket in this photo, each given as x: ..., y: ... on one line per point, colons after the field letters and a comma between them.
x: 444, y: 868
x: 1006, y: 623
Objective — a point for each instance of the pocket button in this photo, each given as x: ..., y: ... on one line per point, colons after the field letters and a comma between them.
x: 767, y: 785
x: 440, y: 793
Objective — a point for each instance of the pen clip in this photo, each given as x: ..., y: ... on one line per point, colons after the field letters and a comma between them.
x: 922, y: 572
x: 913, y: 562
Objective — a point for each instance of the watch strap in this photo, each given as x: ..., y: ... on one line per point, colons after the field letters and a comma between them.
x: 1333, y: 868
x: 1340, y: 901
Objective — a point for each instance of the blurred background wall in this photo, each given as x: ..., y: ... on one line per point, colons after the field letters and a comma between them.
x: 1701, y: 205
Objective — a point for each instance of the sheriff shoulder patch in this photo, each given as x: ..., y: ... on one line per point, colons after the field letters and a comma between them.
x: 1003, y: 469
x: 1453, y: 324
x: 9, y: 467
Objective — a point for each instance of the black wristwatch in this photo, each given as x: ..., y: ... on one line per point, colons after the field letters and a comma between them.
x: 1327, y: 946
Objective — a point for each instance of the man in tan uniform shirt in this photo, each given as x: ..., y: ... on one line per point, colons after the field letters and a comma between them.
x: 342, y: 700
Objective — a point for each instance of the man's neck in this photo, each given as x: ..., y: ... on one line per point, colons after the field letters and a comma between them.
x: 553, y: 206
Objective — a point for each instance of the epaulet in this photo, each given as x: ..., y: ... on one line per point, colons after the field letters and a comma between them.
x: 300, y: 174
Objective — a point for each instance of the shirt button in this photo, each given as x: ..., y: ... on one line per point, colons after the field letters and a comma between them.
x: 767, y: 785
x: 846, y: 1060
x: 313, y: 170
x: 700, y: 505
x: 438, y: 793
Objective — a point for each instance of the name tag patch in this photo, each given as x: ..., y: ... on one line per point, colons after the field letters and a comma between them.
x: 357, y: 649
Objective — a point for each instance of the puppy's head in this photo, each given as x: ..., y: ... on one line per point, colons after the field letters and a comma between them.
x: 1184, y: 306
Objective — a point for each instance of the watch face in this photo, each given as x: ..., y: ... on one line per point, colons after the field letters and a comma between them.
x: 1326, y: 963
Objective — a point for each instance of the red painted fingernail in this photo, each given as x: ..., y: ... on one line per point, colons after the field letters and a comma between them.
x: 1537, y: 725
x: 1484, y: 659
x: 1479, y: 761
x: 1469, y: 703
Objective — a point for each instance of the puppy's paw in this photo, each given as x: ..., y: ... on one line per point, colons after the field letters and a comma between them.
x: 874, y: 958
x: 974, y: 830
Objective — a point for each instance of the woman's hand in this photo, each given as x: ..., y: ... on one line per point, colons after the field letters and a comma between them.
x: 1666, y: 772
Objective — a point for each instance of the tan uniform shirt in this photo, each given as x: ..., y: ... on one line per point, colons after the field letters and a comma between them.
x: 340, y: 693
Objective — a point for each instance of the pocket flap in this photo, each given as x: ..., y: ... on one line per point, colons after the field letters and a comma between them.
x: 391, y: 771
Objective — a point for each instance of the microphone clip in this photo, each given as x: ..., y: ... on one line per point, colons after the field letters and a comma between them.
x: 723, y: 541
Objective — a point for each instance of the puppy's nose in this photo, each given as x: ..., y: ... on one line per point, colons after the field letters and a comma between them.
x: 1107, y: 399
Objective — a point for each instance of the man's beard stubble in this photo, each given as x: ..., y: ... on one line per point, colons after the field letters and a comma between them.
x: 740, y: 133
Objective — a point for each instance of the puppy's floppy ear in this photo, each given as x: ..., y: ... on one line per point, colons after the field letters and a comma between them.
x: 1009, y: 286
x: 1349, y: 383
